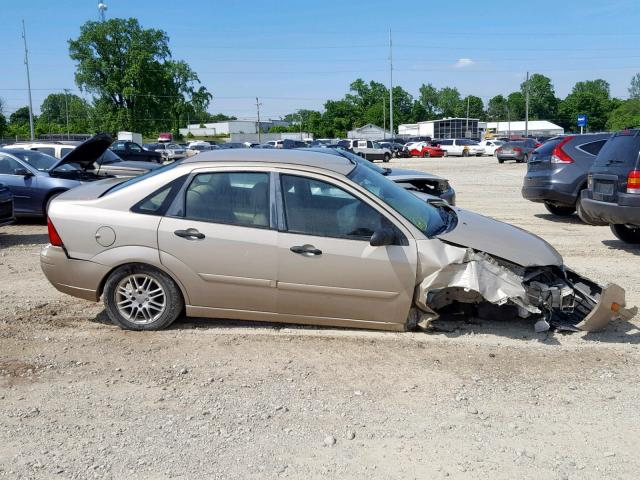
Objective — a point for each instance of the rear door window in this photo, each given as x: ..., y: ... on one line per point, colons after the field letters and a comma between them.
x: 47, y: 150
x: 235, y: 198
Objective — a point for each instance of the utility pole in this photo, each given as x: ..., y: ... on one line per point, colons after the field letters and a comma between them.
x: 391, y: 86
x: 300, y: 115
x: 526, y: 109
x: 66, y: 108
x: 466, y: 132
x: 384, y: 118
x: 509, y: 120
x: 259, y: 133
x: 26, y: 62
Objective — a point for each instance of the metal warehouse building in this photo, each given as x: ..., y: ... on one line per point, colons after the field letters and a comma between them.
x: 443, y: 128
x: 537, y: 128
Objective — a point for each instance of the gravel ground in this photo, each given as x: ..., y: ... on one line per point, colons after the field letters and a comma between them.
x: 80, y: 398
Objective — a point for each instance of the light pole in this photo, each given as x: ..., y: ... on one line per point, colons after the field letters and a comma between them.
x: 526, y: 109
x: 66, y: 108
x: 391, y: 85
x: 26, y: 62
x: 259, y: 132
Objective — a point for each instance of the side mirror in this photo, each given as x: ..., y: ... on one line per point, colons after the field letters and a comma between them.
x: 384, y: 236
x: 23, y: 172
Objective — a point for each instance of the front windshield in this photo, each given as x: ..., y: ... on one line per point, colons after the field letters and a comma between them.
x: 38, y: 160
x: 361, y: 161
x: 427, y: 218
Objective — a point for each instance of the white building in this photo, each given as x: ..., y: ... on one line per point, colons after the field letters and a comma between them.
x: 228, y: 127
x: 444, y: 128
x: 537, y: 128
x: 369, y: 132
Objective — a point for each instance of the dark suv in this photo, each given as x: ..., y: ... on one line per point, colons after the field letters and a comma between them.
x: 613, y: 196
x: 557, y: 172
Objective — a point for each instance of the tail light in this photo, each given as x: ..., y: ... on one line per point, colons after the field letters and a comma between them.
x: 633, y: 181
x: 499, y: 150
x: 558, y: 155
x: 54, y: 238
x: 517, y: 149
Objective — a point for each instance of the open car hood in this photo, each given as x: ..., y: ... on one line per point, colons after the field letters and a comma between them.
x: 501, y: 240
x: 85, y: 154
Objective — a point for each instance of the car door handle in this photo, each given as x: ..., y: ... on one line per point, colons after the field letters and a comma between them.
x: 189, y: 233
x: 305, y: 249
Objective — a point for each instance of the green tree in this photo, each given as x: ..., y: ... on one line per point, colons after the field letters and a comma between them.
x: 590, y: 97
x: 429, y: 96
x: 136, y: 84
x: 476, y: 107
x: 634, y: 89
x: 3, y: 125
x: 543, y: 103
x: 449, y: 102
x: 218, y: 117
x: 20, y: 116
x: 516, y: 106
x: 53, y: 114
x: 497, y: 108
x: 627, y: 114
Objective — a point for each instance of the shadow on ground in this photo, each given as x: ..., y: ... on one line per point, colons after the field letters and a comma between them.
x: 571, y: 219
x: 449, y: 326
x: 8, y: 239
x: 620, y: 245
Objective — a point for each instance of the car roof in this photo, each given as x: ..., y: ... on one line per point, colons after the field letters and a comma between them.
x: 334, y: 163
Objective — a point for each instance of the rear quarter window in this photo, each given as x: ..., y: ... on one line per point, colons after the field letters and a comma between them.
x: 592, y: 148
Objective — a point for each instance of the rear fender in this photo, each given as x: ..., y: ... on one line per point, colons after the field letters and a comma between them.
x: 116, y: 257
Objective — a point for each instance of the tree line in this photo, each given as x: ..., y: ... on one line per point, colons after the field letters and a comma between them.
x: 368, y: 103
x: 135, y: 84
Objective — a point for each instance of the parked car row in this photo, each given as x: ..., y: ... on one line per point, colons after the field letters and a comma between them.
x: 596, y: 175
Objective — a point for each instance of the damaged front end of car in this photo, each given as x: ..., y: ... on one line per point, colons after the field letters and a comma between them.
x: 553, y: 296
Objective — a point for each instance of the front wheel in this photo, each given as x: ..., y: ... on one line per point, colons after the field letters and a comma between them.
x: 559, y: 210
x: 626, y: 234
x: 386, y: 158
x: 141, y: 297
x: 426, y: 154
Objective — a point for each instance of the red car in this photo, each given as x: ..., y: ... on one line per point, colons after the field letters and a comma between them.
x: 426, y: 149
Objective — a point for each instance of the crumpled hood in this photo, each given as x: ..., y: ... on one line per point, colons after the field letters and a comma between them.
x: 501, y: 240
x: 399, y: 173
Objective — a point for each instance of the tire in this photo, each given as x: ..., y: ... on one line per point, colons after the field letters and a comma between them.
x: 500, y: 160
x: 626, y: 234
x: 585, y: 217
x: 559, y: 210
x: 49, y: 200
x: 149, y: 280
x: 446, y: 154
x: 426, y: 154
x: 465, y: 153
x: 525, y: 159
x: 386, y: 158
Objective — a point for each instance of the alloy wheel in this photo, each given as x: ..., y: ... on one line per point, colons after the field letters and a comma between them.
x: 140, y: 298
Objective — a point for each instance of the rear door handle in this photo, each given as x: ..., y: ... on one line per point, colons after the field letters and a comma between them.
x: 305, y: 249
x: 189, y: 233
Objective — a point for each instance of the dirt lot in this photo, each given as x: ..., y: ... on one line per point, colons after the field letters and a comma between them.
x: 80, y: 398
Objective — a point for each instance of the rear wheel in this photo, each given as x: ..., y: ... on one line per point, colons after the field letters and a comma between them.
x: 465, y: 153
x: 559, y: 210
x: 426, y: 154
x: 626, y: 234
x: 585, y: 217
x: 500, y: 160
x: 525, y: 159
x: 141, y: 297
x: 386, y: 158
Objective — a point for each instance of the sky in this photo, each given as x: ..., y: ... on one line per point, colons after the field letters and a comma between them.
x: 294, y: 54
